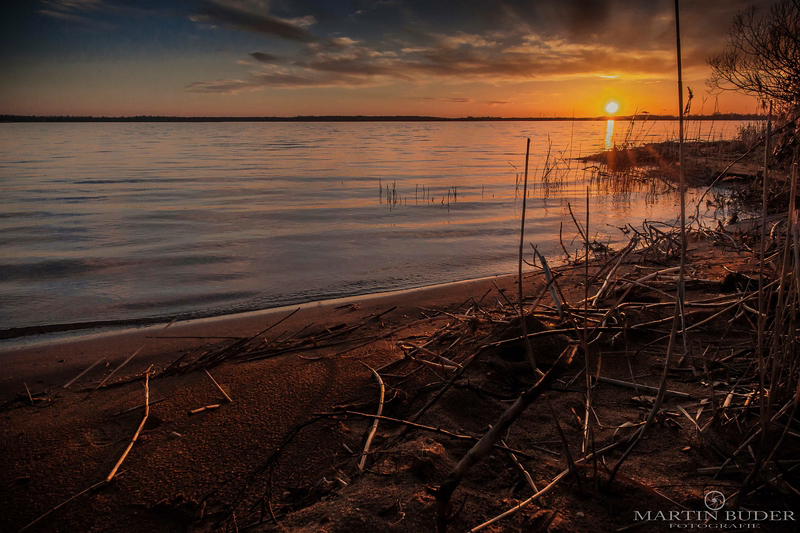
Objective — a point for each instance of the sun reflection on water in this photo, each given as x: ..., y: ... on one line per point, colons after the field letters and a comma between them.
x: 609, y: 134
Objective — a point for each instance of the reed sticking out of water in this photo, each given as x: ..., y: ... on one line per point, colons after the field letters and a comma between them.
x: 528, y: 347
x: 679, y: 301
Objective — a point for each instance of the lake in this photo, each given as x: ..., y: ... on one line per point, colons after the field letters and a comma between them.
x: 134, y: 221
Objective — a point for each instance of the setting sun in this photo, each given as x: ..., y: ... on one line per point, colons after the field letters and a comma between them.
x: 612, y: 107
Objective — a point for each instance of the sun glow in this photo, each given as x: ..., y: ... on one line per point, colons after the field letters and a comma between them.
x: 612, y: 107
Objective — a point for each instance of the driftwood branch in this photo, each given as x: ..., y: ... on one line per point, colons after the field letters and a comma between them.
x: 484, y: 446
x: 374, y: 428
x: 214, y: 381
x: 138, y: 431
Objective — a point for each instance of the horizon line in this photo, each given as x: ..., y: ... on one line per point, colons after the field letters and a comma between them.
x: 361, y: 118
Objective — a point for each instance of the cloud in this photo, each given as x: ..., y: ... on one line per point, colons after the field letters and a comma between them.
x: 342, y: 41
x: 461, y: 39
x: 220, y: 86
x: 238, y: 18
x: 454, y: 100
x: 302, y: 22
x: 287, y: 80
x: 73, y: 5
x: 70, y: 17
x: 454, y: 58
x: 81, y: 12
x: 265, y: 58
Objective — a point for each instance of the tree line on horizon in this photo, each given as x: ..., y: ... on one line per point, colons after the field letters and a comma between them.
x: 361, y: 118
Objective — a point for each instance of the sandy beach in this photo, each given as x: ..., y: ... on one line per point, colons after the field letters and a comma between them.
x: 282, y: 454
x: 60, y: 447
x: 51, y: 363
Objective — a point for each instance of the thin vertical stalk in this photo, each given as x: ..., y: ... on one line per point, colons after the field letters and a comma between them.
x: 679, y: 301
x: 780, y: 337
x: 764, y: 406
x: 528, y: 347
x: 762, y: 366
x: 585, y: 342
x: 588, y: 429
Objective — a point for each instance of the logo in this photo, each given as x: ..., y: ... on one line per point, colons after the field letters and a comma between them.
x: 715, y: 500
x: 714, y: 517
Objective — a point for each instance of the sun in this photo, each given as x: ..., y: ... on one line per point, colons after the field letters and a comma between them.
x: 612, y: 107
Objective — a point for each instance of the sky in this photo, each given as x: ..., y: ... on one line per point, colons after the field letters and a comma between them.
x: 448, y: 58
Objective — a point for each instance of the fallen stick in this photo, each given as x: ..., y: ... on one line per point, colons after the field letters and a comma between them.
x: 524, y: 473
x: 374, y: 429
x: 413, y: 425
x: 548, y: 489
x: 79, y: 376
x: 548, y: 278
x: 65, y: 502
x: 128, y: 360
x: 733, y: 469
x: 30, y: 398
x: 608, y: 281
x: 214, y: 381
x: 644, y: 388
x: 204, y: 408
x: 564, y: 443
x: 484, y: 446
x: 139, y: 430
x: 389, y: 334
x: 132, y: 409
x: 431, y: 364
x: 439, y: 394
x: 502, y: 294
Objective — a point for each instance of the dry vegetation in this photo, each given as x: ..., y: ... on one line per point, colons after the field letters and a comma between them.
x: 461, y: 433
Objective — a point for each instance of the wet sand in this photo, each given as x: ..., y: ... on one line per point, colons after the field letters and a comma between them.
x: 51, y: 361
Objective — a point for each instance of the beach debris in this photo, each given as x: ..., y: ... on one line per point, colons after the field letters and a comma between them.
x: 128, y: 360
x: 374, y: 427
x: 30, y: 398
x: 79, y: 376
x: 214, y: 381
x: 138, y: 430
x: 486, y: 444
x: 94, y: 487
x: 204, y: 408
x: 132, y: 409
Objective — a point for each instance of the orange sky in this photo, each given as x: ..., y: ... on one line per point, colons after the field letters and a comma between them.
x: 357, y: 57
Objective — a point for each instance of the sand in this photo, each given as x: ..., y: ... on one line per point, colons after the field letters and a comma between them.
x: 187, y: 472
x: 52, y: 362
x: 68, y: 443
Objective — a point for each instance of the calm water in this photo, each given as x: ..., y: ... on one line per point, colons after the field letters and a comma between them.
x: 129, y: 221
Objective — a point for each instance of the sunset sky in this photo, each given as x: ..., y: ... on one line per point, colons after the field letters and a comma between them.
x: 367, y: 57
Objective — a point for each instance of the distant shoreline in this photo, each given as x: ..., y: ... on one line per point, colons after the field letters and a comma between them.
x: 364, y: 118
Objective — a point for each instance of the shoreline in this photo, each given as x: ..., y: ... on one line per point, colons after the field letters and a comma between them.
x: 293, y: 419
x: 51, y: 361
x: 59, y: 332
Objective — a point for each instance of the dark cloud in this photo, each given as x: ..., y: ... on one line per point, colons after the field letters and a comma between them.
x: 265, y: 58
x: 454, y: 100
x: 238, y: 18
x: 259, y: 81
x: 492, y: 58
